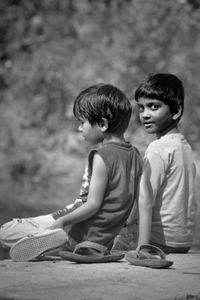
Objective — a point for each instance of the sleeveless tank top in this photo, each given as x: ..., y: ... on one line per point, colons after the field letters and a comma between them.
x: 124, y: 166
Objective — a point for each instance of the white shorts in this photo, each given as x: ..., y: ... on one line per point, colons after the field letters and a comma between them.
x: 16, y: 229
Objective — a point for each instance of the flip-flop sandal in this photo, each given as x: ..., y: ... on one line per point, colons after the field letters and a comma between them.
x: 89, y: 252
x: 146, y: 259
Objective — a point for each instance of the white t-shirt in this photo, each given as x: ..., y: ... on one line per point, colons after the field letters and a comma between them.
x: 169, y: 178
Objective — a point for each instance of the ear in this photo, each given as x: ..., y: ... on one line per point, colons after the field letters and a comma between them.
x: 177, y: 115
x: 103, y: 124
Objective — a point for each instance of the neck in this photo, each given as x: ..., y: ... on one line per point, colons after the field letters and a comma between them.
x: 172, y: 129
x: 114, y: 138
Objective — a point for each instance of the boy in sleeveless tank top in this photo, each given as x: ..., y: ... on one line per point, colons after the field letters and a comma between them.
x: 113, y: 171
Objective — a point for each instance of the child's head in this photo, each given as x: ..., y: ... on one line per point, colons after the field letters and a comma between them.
x: 163, y: 87
x: 104, y: 102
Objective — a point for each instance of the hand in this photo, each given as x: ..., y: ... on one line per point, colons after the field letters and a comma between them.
x: 57, y: 224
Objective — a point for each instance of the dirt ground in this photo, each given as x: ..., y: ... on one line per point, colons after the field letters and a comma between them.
x: 63, y: 280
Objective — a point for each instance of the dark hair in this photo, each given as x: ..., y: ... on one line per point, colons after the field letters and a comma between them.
x: 164, y: 87
x: 104, y: 101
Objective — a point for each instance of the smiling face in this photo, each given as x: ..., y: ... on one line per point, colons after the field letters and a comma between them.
x: 91, y: 133
x: 155, y: 116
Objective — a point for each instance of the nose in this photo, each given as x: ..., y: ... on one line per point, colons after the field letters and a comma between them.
x: 145, y: 114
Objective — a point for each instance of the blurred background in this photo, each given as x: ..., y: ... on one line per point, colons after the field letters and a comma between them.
x: 52, y: 49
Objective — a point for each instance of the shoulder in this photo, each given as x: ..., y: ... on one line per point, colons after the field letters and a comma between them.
x: 155, y: 147
x: 164, y: 146
x: 100, y: 155
x: 168, y: 148
x: 98, y: 163
x: 159, y: 152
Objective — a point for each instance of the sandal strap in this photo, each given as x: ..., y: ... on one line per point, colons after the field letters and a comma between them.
x: 155, y: 249
x: 87, y: 244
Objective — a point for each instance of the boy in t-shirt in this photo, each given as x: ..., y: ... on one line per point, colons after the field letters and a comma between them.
x: 166, y: 197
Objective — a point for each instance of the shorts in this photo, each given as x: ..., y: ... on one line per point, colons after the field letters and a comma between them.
x: 169, y: 249
x: 16, y: 229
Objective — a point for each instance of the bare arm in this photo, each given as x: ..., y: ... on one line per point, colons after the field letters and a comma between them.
x: 133, y: 217
x: 95, y: 198
x: 151, y: 180
x: 145, y: 215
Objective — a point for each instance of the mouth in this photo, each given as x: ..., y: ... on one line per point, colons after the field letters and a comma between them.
x: 148, y: 124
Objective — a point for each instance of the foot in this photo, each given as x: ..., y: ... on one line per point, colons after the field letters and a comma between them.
x: 30, y: 247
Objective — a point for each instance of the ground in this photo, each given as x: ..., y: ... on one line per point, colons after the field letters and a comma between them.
x: 63, y: 280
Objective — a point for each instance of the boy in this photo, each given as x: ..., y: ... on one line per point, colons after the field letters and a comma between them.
x: 166, y: 197
x: 114, y: 171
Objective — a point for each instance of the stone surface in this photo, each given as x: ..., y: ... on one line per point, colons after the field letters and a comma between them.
x: 61, y: 280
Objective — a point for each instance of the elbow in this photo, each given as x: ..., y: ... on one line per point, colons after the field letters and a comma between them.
x: 94, y: 208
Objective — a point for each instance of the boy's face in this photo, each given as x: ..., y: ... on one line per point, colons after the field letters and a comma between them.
x: 155, y: 116
x: 91, y: 133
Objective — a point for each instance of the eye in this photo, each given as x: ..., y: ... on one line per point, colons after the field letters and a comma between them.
x: 154, y: 107
x: 81, y: 121
x: 140, y: 108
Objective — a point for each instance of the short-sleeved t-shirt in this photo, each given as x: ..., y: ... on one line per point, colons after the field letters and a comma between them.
x: 124, y: 166
x: 168, y: 179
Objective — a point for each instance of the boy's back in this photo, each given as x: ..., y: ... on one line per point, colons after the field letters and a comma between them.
x: 123, y: 164
x: 173, y: 180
